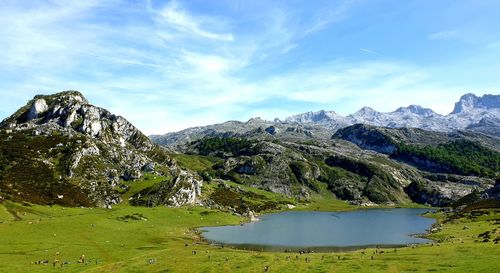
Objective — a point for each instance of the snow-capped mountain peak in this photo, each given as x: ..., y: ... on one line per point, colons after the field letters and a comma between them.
x: 417, y: 110
x: 314, y: 117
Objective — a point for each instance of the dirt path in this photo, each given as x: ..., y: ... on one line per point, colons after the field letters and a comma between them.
x: 14, y: 214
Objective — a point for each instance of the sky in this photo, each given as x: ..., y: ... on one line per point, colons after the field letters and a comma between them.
x: 169, y: 65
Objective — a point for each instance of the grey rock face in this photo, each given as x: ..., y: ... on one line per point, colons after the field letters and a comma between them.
x: 38, y: 107
x: 471, y: 102
x: 368, y: 138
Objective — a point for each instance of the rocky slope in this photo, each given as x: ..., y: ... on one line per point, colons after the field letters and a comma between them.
x: 59, y: 149
x: 362, y: 164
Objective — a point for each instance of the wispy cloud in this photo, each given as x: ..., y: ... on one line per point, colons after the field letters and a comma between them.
x: 366, y: 50
x: 181, y: 20
x: 333, y: 12
x: 444, y: 35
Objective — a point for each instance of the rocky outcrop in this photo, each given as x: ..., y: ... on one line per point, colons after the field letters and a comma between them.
x: 492, y: 193
x: 441, y: 193
x: 367, y: 137
x: 187, y: 190
x: 183, y: 189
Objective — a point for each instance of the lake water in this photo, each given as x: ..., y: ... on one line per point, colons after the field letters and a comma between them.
x: 325, y: 230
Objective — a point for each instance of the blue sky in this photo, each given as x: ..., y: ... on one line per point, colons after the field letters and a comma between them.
x: 168, y: 65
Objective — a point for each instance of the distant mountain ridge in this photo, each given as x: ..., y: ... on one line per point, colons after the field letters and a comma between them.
x: 471, y: 113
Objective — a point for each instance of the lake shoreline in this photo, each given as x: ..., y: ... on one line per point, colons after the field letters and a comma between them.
x: 199, y: 231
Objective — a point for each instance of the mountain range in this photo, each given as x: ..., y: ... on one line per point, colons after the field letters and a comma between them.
x: 473, y: 113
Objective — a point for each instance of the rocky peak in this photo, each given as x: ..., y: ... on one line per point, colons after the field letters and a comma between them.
x: 71, y: 111
x: 415, y: 109
x: 469, y: 102
x: 365, y: 111
x: 256, y: 120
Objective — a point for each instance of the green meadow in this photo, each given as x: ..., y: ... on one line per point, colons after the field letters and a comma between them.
x: 139, y: 239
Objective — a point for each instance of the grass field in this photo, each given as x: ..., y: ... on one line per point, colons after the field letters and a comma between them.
x: 125, y: 244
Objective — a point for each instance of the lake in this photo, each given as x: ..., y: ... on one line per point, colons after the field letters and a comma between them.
x: 325, y: 230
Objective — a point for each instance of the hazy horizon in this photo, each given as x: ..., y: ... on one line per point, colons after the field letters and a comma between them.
x: 170, y: 65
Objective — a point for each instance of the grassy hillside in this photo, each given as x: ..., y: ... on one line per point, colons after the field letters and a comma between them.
x: 34, y: 167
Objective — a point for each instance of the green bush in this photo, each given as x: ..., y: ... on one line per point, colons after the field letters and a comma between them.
x: 220, y: 145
